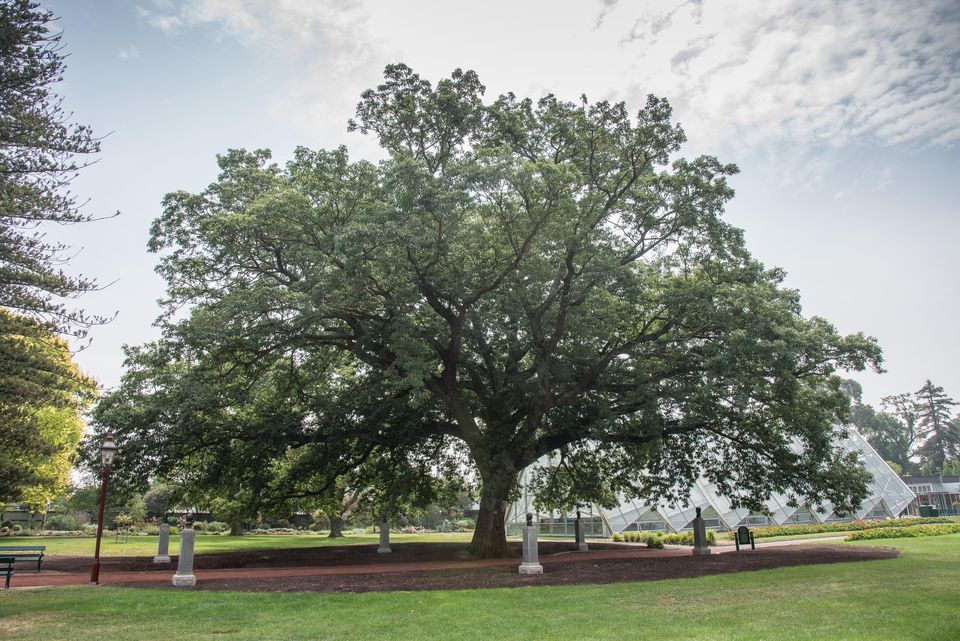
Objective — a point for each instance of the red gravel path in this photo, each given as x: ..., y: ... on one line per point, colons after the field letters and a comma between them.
x: 435, y: 566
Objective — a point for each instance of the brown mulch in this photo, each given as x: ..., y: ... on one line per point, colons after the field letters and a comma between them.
x: 638, y: 564
x: 307, y: 557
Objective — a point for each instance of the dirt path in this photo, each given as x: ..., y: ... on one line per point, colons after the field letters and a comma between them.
x: 437, y: 566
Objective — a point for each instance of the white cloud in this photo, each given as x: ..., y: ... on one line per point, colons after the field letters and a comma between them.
x: 324, y: 46
x: 804, y: 72
x: 128, y: 53
x: 808, y: 74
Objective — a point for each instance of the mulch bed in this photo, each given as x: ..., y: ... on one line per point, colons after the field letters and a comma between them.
x: 307, y: 557
x: 644, y: 565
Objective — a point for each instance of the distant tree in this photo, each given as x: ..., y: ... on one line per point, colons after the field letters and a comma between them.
x: 157, y: 499
x: 896, y: 432
x: 42, y: 394
x: 40, y: 154
x: 61, y: 429
x: 940, y: 434
x: 952, y: 468
x: 892, y: 433
x: 338, y: 505
x: 853, y: 389
x: 896, y: 467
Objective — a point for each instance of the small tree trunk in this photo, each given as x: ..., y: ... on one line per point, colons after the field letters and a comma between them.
x: 336, y: 527
x: 236, y: 528
x: 490, y: 536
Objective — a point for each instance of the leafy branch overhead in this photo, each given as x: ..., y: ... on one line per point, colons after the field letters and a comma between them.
x: 518, y: 277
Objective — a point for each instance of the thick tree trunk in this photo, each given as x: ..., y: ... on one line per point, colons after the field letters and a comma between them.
x: 490, y: 537
x: 336, y: 527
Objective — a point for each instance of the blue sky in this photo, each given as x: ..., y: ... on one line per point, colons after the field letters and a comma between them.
x: 843, y: 117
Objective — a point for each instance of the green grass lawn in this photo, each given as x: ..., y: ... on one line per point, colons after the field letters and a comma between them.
x: 913, y: 597
x: 147, y: 545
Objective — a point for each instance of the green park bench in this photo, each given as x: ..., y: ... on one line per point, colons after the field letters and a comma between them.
x: 6, y: 568
x: 744, y: 537
x: 23, y: 553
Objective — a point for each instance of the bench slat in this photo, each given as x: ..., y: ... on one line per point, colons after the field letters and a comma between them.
x: 12, y: 548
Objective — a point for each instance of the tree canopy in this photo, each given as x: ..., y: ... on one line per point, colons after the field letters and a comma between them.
x: 517, y: 278
x: 42, y: 394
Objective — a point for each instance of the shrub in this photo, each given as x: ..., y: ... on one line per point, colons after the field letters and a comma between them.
x: 277, y: 530
x: 903, y: 532
x: 17, y: 528
x: 847, y: 526
x: 217, y: 527
x: 678, y: 538
x: 62, y: 522
x: 655, y: 541
x: 123, y: 521
x: 466, y: 524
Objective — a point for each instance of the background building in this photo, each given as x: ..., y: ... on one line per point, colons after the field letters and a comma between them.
x: 942, y: 492
x: 889, y: 497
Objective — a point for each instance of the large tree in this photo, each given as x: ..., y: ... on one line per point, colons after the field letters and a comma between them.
x: 41, y: 151
x: 516, y: 278
x: 940, y: 435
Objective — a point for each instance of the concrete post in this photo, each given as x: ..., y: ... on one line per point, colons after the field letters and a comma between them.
x: 163, y: 549
x: 384, y: 538
x: 184, y: 576
x: 531, y: 554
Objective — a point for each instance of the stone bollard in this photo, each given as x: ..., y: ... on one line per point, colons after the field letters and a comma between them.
x: 531, y: 559
x: 699, y: 536
x: 184, y: 576
x: 163, y: 550
x: 580, y: 535
x: 384, y: 538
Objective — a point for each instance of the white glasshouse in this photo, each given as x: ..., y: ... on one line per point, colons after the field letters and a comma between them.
x: 888, y: 497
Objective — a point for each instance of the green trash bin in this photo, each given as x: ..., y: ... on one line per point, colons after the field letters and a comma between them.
x: 928, y: 510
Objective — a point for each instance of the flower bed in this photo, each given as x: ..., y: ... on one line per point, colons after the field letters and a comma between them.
x: 847, y: 526
x: 659, y: 539
x: 902, y: 532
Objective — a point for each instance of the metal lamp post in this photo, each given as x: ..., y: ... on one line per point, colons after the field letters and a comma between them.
x: 107, y: 451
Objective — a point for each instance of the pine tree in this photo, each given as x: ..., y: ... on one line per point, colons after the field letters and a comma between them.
x: 41, y: 152
x: 941, y: 438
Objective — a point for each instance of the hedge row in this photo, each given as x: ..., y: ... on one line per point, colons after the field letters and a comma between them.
x: 659, y: 539
x: 901, y: 532
x: 847, y: 526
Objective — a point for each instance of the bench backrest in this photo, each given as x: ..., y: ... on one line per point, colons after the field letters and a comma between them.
x: 8, y: 561
x: 743, y: 534
x: 22, y: 548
